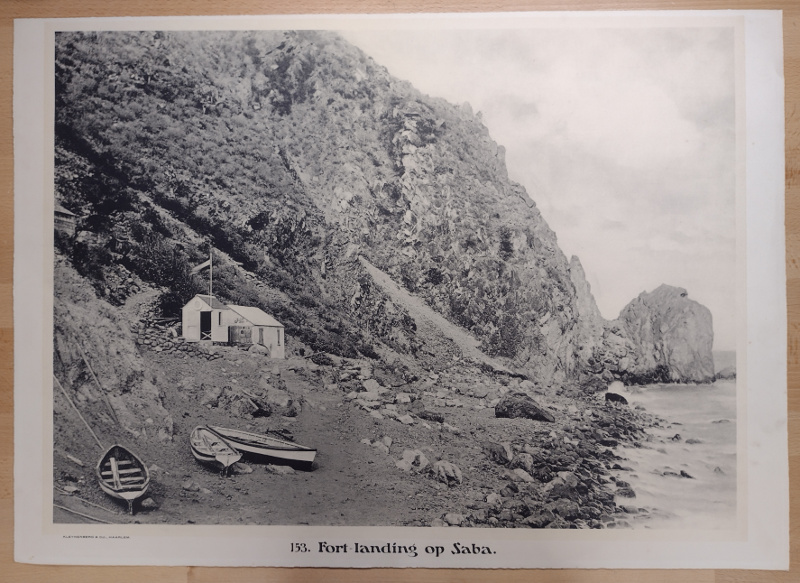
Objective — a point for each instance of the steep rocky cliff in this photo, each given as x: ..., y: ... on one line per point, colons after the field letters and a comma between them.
x: 590, y: 336
x: 294, y: 155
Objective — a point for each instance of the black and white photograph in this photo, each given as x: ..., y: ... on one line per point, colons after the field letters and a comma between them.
x: 487, y: 277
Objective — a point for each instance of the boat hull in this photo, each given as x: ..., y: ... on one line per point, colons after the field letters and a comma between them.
x: 265, y: 446
x: 122, y: 475
x: 211, y: 448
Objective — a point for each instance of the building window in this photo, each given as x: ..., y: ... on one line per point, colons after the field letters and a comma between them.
x: 279, y: 336
x: 219, y: 322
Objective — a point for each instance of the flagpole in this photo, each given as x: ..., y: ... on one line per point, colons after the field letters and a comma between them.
x: 210, y: 273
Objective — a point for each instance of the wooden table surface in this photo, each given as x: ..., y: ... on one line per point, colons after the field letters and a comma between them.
x: 10, y: 9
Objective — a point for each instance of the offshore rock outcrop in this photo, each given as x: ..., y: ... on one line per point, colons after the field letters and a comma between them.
x: 672, y: 336
x: 660, y: 336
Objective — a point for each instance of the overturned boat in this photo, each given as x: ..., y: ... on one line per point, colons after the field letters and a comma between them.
x: 209, y: 447
x: 122, y: 475
x: 267, y: 446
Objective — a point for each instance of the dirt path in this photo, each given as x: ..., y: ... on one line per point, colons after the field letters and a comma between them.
x: 133, y: 305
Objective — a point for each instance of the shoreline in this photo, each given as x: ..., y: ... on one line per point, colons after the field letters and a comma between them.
x: 386, y: 455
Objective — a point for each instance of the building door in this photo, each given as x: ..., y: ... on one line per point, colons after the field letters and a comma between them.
x: 205, y: 325
x: 261, y: 336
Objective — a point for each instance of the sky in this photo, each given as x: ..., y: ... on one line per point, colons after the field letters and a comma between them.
x: 624, y: 138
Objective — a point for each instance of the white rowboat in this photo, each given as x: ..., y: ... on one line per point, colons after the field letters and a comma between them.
x: 264, y: 445
x: 122, y: 474
x: 210, y: 447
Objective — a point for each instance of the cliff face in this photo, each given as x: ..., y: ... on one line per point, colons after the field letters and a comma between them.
x: 293, y: 155
x: 592, y: 323
x: 673, y: 336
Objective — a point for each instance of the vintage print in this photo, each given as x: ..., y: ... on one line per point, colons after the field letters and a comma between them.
x: 293, y: 288
x: 431, y: 277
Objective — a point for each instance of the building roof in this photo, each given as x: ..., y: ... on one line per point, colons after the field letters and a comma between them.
x: 256, y: 316
x: 212, y: 301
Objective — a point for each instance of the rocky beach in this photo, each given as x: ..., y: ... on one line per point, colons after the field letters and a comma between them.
x: 460, y: 446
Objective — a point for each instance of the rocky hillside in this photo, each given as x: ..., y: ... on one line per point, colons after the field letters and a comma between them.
x: 294, y: 156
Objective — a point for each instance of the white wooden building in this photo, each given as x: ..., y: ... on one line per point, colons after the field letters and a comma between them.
x: 248, y: 325
x: 205, y: 318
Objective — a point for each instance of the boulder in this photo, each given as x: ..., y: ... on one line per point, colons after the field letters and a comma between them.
x: 406, y: 419
x: 148, y: 504
x: 539, y: 519
x: 258, y: 349
x: 564, y: 485
x: 243, y: 408
x: 454, y: 519
x: 501, y: 453
x: 522, y: 476
x: 626, y: 492
x: 413, y: 459
x: 727, y: 373
x: 515, y: 405
x: 524, y: 461
x: 565, y: 508
x: 451, y: 428
x: 242, y: 468
x: 293, y: 409
x: 210, y: 395
x: 277, y: 397
x: 371, y: 385
x: 447, y: 473
x: 494, y: 499
x: 430, y: 416
x: 615, y: 398
x: 616, y: 386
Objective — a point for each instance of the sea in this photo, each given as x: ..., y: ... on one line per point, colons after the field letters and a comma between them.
x: 685, y: 478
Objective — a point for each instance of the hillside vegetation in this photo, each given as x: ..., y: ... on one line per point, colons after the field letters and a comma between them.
x: 293, y: 154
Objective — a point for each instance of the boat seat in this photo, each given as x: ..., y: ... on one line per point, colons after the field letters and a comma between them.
x: 120, y: 463
x: 128, y: 480
x: 122, y: 472
x: 133, y: 480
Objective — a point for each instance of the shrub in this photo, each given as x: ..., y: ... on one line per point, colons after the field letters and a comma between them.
x: 89, y: 260
x: 322, y: 359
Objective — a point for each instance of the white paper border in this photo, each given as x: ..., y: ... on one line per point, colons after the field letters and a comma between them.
x: 767, y: 541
